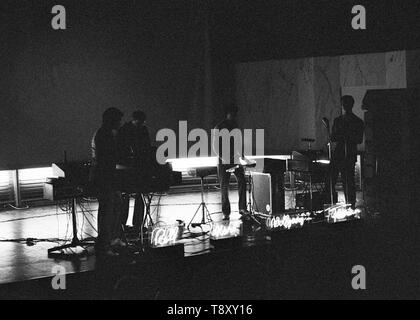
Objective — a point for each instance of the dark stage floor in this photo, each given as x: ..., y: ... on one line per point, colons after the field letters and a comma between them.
x: 312, y: 262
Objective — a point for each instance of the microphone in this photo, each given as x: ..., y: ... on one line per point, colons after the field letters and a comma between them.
x: 326, y: 122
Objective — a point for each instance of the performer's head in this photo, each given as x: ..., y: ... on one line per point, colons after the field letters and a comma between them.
x: 231, y: 111
x: 111, y: 118
x: 139, y: 117
x: 347, y: 102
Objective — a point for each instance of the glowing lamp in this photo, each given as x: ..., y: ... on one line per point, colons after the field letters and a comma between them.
x: 185, y: 164
x: 285, y: 222
x: 226, y: 229
x: 342, y: 212
x: 164, y: 244
x: 226, y: 234
x: 164, y: 236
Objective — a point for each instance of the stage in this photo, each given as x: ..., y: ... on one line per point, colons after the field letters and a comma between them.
x: 315, y: 261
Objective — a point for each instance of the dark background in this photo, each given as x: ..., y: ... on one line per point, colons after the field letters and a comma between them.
x: 174, y: 59
x: 261, y: 30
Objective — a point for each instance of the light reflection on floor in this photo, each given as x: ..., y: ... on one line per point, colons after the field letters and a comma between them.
x: 19, y: 261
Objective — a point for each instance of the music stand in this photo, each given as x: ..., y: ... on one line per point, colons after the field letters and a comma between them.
x: 309, y: 141
x: 205, y: 214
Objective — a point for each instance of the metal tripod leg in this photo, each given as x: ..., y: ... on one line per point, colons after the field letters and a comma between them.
x: 203, y: 206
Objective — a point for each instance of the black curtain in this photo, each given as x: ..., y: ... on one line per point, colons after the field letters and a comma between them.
x: 151, y: 55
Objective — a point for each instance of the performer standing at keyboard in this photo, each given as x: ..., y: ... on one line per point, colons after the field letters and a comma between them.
x: 135, y: 149
x: 103, y: 177
x: 230, y: 160
x: 347, y: 133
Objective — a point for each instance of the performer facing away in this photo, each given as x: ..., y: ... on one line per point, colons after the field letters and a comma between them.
x: 104, y: 160
x: 227, y: 162
x: 347, y: 133
x: 135, y: 148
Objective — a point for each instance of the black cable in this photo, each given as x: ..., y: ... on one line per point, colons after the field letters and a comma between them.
x: 83, y: 222
x: 68, y: 223
x: 28, y: 218
x: 17, y: 208
x: 85, y: 218
x: 32, y: 240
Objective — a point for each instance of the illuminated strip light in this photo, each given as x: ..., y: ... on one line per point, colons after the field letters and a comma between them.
x: 5, y: 177
x: 29, y: 179
x: 185, y: 164
x: 274, y: 157
x: 37, y: 174
x: 342, y: 212
x: 285, y: 222
x: 6, y: 186
x: 322, y: 161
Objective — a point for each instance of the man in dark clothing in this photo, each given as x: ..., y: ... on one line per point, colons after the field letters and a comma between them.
x: 104, y: 162
x: 135, y: 149
x: 347, y: 133
x: 229, y: 161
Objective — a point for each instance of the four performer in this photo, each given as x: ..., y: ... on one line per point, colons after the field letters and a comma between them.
x: 347, y: 133
x: 105, y: 156
x: 228, y: 161
x: 130, y: 146
x: 135, y: 151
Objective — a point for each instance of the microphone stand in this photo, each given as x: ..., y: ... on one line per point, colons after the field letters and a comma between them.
x: 346, y: 186
x: 330, y: 159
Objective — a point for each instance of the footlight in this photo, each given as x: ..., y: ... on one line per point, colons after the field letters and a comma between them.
x: 341, y: 212
x: 226, y: 234
x: 279, y: 226
x: 164, y: 241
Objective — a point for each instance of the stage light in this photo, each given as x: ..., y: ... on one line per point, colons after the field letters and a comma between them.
x: 163, y: 242
x: 5, y: 177
x: 226, y: 234
x: 37, y: 174
x: 286, y: 222
x: 323, y: 161
x: 164, y: 236
x: 275, y: 157
x: 342, y: 212
x: 184, y: 164
x: 226, y: 229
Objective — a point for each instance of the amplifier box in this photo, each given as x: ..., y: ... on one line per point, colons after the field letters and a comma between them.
x: 262, y: 193
x: 59, y: 190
